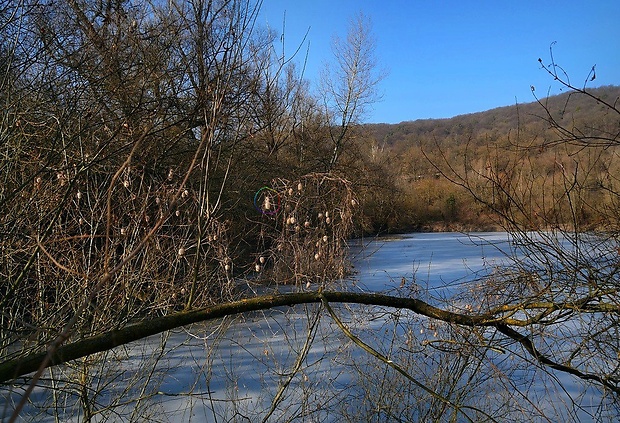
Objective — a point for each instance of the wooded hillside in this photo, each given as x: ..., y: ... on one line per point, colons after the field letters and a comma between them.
x: 520, y: 143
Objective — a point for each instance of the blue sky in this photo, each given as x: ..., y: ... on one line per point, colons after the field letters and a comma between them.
x: 446, y: 58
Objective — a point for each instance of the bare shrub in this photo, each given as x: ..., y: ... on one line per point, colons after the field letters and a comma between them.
x: 308, y: 236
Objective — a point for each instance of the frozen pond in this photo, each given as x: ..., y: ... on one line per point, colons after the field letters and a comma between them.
x: 296, y: 364
x: 436, y: 260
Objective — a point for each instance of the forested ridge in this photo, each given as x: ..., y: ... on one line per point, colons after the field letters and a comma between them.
x: 501, y: 142
x: 529, y: 117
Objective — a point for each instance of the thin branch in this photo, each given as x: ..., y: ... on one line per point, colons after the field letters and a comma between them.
x: 296, y: 367
x: 527, y: 343
x: 393, y: 365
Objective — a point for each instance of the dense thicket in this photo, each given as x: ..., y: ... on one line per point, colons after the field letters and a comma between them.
x: 136, y: 137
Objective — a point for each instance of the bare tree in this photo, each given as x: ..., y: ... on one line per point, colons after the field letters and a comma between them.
x: 350, y: 86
